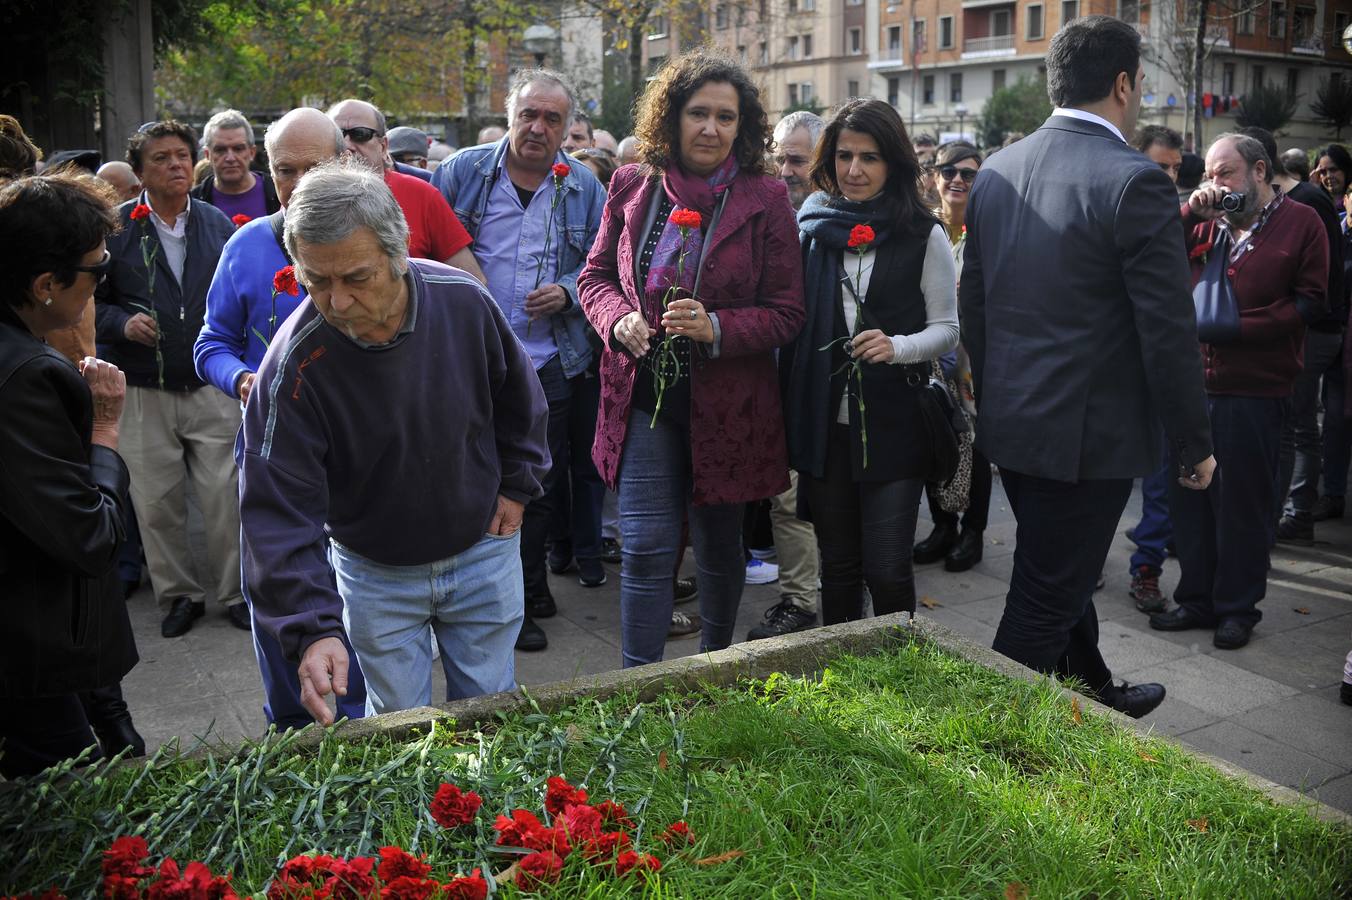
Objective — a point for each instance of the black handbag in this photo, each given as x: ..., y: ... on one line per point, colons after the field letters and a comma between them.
x: 1214, y: 296
x: 945, y: 422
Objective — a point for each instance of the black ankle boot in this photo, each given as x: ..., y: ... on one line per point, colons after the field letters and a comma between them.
x: 936, y: 546
x: 965, y: 553
x: 108, y: 716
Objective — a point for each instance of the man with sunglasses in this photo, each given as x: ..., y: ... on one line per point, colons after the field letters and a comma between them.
x: 434, y: 230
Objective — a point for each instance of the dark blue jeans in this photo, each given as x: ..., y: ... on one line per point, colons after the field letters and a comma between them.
x: 1064, y: 532
x: 1155, y: 530
x: 578, y: 496
x: 655, y: 483
x: 539, y: 512
x: 1221, y: 534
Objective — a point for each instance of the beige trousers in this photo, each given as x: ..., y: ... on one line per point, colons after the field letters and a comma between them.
x: 166, y: 439
x: 796, y: 548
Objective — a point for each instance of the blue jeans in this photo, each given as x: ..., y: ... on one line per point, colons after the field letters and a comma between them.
x: 655, y: 484
x: 472, y: 601
x: 1155, y: 530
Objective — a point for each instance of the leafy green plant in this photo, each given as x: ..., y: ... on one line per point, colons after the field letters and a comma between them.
x: 1333, y: 105
x: 1267, y: 106
x: 1020, y: 107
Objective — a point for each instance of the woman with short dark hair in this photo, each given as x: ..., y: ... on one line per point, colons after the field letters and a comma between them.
x: 880, y: 292
x: 63, y: 488
x: 692, y: 285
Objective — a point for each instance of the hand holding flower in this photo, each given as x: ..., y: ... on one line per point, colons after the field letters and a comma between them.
x: 872, y: 346
x: 141, y: 329
x: 677, y: 320
x: 546, y: 300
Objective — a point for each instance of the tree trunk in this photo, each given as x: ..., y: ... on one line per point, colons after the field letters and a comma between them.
x: 636, y: 82
x: 1197, y: 145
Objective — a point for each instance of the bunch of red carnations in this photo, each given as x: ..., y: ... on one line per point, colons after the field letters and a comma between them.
x: 397, y: 875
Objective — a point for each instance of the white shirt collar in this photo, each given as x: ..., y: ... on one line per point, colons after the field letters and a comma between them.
x: 180, y: 225
x: 1083, y: 116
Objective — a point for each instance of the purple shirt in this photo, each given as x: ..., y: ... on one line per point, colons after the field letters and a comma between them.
x: 251, y: 203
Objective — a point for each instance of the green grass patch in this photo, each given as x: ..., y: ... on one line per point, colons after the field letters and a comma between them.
x: 910, y: 773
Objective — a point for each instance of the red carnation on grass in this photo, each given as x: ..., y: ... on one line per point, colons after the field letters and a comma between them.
x: 512, y: 832
x: 408, y: 887
x: 860, y: 236
x: 124, y: 855
x: 561, y: 170
x: 284, y: 281
x: 467, y: 887
x: 642, y: 863
x: 613, y: 813
x: 452, y: 807
x: 241, y: 220
x: 538, y: 869
x: 685, y: 218
x: 580, y: 821
x: 139, y: 211
x: 554, y: 840
x: 50, y: 894
x: 559, y: 794
x: 605, y: 846
x: 395, y: 862
x: 678, y: 834
x: 350, y: 879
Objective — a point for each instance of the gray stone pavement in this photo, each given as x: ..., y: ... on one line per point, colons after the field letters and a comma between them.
x: 1271, y: 707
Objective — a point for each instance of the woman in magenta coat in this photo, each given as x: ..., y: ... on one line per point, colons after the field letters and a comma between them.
x: 695, y: 421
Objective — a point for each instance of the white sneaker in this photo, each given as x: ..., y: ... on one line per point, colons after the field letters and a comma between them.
x: 758, y: 571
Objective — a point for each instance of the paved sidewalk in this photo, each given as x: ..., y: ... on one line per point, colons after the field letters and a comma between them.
x: 1271, y: 707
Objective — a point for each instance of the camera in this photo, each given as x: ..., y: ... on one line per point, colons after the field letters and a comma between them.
x: 1232, y: 201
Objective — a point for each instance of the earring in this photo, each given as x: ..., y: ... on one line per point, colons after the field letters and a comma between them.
x: 48, y: 301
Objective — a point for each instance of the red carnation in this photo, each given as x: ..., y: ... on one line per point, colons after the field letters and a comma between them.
x: 512, y: 832
x: 350, y: 879
x: 580, y: 821
x: 241, y: 220
x: 124, y: 855
x: 860, y: 236
x: 559, y: 794
x: 605, y: 846
x: 547, y: 839
x: 408, y: 887
x: 561, y: 170
x: 1200, y: 250
x: 642, y: 863
x: 395, y: 862
x: 467, y: 887
x: 452, y: 808
x: 538, y: 869
x: 139, y: 211
x: 613, y: 813
x: 685, y: 218
x: 678, y: 834
x: 284, y: 281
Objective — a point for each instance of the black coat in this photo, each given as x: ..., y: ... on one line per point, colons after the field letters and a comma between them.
x: 62, y: 503
x: 1077, y: 309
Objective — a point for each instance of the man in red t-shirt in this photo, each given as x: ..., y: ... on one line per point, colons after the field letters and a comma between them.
x: 434, y: 232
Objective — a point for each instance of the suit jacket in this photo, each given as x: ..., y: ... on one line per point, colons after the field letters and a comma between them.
x: 753, y: 280
x: 62, y: 503
x: 1077, y: 311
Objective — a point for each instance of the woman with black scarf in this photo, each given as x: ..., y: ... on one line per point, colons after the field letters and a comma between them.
x: 881, y: 305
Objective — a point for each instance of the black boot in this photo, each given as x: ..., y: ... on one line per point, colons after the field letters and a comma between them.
x: 966, y: 552
x: 108, y: 716
x: 936, y: 546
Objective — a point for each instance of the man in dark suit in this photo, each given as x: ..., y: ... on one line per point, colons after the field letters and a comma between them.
x: 1080, y: 326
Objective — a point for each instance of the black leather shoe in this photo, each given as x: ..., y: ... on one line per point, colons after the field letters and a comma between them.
x: 590, y: 573
x: 119, y: 735
x: 239, y: 616
x: 684, y: 590
x: 1137, y: 700
x: 610, y: 551
x: 936, y: 546
x: 532, y: 636
x: 540, y: 606
x: 1345, y: 693
x: 1180, y: 618
x: 1232, y: 634
x: 182, y: 613
x: 965, y: 553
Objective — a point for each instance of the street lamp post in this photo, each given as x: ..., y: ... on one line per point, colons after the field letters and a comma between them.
x: 962, y: 113
x: 538, y: 41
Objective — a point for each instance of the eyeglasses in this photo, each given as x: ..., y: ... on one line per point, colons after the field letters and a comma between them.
x: 100, y: 268
x: 360, y: 135
x: 948, y: 173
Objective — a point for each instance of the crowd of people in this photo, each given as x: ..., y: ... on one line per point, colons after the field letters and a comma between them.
x: 405, y: 385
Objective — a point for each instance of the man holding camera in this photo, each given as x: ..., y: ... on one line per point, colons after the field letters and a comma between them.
x: 1277, y: 266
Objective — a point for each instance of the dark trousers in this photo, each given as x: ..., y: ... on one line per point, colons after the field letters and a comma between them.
x: 539, y: 512
x: 1064, y: 532
x: 1156, y: 529
x: 39, y: 732
x: 1337, y: 433
x: 865, y: 533
x: 978, y: 501
x: 579, y: 494
x: 1221, y: 534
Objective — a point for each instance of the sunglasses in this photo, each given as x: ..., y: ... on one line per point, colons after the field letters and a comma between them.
x: 948, y: 173
x: 360, y: 135
x: 100, y: 268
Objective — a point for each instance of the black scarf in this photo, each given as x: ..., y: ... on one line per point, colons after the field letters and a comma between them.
x: 824, y: 224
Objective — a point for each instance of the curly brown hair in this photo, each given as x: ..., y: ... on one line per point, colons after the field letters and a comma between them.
x: 659, y: 109
x: 152, y: 130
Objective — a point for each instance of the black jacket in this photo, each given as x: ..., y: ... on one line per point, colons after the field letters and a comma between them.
x: 203, y: 191
x: 1077, y: 309
x: 62, y: 503
x: 181, y: 308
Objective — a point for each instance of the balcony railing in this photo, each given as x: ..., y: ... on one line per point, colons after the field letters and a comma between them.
x: 988, y: 44
x: 1309, y: 46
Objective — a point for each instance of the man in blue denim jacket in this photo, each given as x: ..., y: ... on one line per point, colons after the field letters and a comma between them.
x: 532, y: 230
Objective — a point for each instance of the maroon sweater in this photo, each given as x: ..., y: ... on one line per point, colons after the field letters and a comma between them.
x: 1281, y: 284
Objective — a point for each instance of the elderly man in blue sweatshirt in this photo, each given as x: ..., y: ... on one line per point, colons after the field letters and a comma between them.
x: 395, y: 433
x: 246, y: 304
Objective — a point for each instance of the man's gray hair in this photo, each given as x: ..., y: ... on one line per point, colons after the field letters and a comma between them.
x: 814, y: 124
x: 227, y: 120
x: 335, y: 199
x: 271, y: 136
x: 1250, y: 150
x: 526, y: 77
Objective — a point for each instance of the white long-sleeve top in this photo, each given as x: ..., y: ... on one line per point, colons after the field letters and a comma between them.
x: 938, y: 282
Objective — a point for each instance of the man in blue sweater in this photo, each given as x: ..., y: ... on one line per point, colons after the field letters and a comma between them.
x: 246, y: 305
x: 396, y: 431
